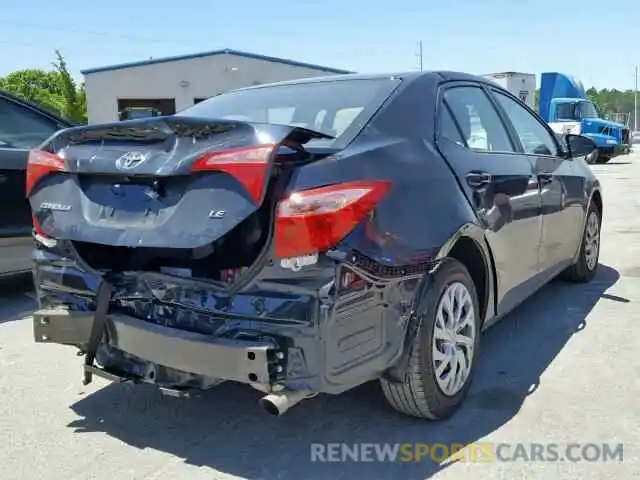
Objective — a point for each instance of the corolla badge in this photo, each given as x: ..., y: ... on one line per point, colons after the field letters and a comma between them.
x: 58, y: 207
x: 131, y: 160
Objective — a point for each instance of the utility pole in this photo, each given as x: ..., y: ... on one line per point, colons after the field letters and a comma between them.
x: 420, y: 56
x: 635, y: 102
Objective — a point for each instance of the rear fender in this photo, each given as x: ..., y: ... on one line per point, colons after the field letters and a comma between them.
x: 468, y: 231
x: 471, y: 231
x: 602, y: 140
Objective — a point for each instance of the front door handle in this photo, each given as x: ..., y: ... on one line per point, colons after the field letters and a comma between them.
x: 478, y: 179
x: 545, y: 178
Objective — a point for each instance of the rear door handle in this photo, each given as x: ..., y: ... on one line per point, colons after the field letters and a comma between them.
x: 545, y: 178
x: 478, y: 179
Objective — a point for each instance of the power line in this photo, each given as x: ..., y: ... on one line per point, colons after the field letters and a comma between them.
x: 88, y: 32
x: 136, y: 51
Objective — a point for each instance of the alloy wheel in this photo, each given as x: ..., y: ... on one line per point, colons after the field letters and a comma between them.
x: 454, y: 338
x: 592, y: 240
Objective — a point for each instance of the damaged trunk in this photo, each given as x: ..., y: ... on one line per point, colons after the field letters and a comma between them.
x: 171, y: 194
x: 221, y: 260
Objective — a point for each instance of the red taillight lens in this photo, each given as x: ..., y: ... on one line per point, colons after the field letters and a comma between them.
x: 40, y: 164
x: 249, y: 165
x: 314, y: 220
x: 37, y: 229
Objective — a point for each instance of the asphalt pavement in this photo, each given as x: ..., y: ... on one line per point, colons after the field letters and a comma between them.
x: 563, y: 368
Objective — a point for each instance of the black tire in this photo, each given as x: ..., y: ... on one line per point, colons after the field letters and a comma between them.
x: 593, y: 157
x: 581, y: 270
x: 602, y: 157
x: 420, y: 395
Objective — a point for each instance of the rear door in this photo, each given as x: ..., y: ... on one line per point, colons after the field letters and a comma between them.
x: 21, y: 128
x: 561, y: 181
x: 499, y: 181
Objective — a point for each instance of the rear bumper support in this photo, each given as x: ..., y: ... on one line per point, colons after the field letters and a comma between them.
x: 243, y: 361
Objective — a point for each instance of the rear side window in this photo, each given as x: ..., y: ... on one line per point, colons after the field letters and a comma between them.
x: 338, y: 107
x: 533, y: 135
x: 480, y: 124
x: 448, y: 128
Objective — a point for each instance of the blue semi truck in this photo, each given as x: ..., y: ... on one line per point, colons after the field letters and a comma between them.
x: 563, y: 104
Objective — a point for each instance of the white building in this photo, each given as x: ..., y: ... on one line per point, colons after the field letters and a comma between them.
x: 171, y: 84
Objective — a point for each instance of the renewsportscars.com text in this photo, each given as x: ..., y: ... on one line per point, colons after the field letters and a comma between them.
x: 476, y: 452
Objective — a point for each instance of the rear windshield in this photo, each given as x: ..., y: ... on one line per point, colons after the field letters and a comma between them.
x: 338, y: 108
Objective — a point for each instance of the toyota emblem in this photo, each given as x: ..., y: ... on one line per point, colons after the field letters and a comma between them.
x: 130, y: 160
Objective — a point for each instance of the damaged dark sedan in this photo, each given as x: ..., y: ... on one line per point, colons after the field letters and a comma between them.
x: 308, y: 236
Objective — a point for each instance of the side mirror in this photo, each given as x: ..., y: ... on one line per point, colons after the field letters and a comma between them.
x: 578, y: 145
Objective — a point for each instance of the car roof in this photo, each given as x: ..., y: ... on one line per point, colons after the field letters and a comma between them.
x: 442, y: 75
x: 35, y: 106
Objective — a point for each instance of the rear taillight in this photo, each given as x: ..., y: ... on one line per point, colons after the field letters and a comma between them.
x: 41, y: 164
x: 248, y: 165
x: 315, y: 220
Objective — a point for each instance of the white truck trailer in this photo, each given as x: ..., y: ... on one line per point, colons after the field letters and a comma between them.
x: 522, y: 85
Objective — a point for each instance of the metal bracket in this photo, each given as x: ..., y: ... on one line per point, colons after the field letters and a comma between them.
x: 97, y: 328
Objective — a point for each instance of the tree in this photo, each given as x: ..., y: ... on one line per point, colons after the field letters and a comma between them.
x: 74, y: 105
x: 54, y: 90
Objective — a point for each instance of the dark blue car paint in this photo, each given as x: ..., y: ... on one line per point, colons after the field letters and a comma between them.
x: 335, y: 338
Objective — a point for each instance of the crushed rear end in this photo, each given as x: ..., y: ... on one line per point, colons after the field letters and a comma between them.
x: 171, y: 251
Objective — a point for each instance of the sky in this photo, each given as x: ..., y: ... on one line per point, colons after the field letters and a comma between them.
x: 475, y: 36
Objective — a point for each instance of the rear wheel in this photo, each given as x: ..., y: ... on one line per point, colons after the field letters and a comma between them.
x: 586, y: 266
x: 593, y: 157
x: 443, y: 351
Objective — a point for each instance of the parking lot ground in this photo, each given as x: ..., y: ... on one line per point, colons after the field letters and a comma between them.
x: 564, y: 368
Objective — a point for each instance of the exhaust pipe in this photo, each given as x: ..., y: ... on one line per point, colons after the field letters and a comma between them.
x: 279, y: 402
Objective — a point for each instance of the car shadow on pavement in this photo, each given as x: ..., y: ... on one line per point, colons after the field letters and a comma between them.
x: 15, y: 302
x: 225, y: 430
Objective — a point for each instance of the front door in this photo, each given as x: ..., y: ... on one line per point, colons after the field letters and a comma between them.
x: 500, y: 183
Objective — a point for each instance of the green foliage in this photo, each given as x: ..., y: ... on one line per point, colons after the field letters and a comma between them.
x: 74, y: 104
x: 55, y: 90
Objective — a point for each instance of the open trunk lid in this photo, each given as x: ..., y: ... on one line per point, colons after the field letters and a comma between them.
x: 163, y: 182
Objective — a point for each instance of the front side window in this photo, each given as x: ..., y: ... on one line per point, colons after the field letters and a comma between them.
x: 586, y: 110
x: 21, y: 127
x: 535, y: 138
x: 330, y: 107
x: 576, y: 110
x: 565, y: 111
x: 479, y: 122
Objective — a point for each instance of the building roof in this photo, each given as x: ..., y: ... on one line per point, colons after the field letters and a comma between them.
x: 226, y: 51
